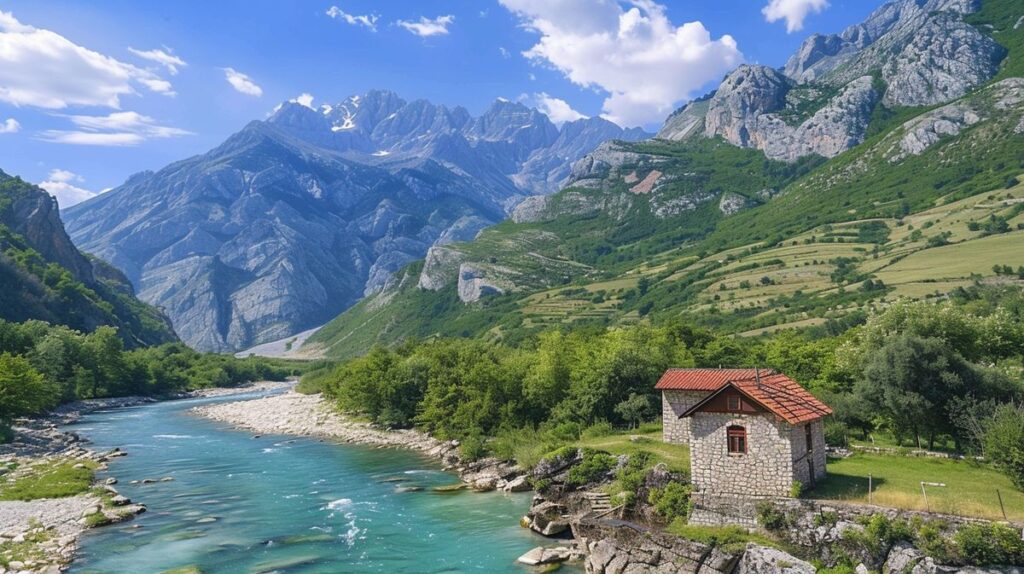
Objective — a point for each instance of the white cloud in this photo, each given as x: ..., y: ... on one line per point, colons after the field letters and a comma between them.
x: 792, y: 11
x: 504, y: 52
x: 164, y: 57
x: 557, y: 110
x: 428, y: 27
x: 645, y: 63
x: 44, y: 69
x: 242, y: 82
x: 9, y: 126
x: 305, y: 99
x: 61, y: 184
x: 116, y: 129
x: 366, y: 20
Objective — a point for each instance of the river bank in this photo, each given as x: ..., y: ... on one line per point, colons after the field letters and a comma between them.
x: 292, y: 413
x: 41, y: 534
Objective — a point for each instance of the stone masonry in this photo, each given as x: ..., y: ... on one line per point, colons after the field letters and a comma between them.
x: 802, y: 463
x: 765, y: 470
x: 674, y: 403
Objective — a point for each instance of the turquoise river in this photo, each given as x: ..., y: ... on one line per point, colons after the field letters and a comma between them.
x: 278, y: 504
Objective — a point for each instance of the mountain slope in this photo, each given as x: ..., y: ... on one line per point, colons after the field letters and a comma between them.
x: 293, y: 219
x: 43, y: 276
x: 930, y: 201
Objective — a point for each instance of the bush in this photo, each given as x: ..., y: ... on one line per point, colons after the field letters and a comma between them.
x: 671, y: 502
x: 631, y: 475
x: 989, y: 544
x: 472, y: 447
x: 1004, y: 441
x: 796, y: 489
x: 770, y: 517
x: 593, y: 468
x: 837, y: 434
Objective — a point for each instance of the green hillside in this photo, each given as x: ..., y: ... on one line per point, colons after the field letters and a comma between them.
x: 724, y: 237
x: 43, y: 276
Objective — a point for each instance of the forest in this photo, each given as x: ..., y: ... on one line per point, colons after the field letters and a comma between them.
x: 925, y: 374
x: 42, y: 366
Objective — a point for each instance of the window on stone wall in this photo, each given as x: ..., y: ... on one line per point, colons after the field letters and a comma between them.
x: 737, y: 439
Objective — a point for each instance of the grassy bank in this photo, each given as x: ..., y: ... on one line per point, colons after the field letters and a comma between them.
x: 970, y: 486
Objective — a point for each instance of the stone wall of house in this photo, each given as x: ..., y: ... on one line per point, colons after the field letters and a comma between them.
x: 798, y: 445
x: 673, y: 404
x: 765, y: 470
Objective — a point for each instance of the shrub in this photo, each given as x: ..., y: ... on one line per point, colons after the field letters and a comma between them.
x: 671, y: 502
x: 988, y: 544
x: 796, y: 489
x: 593, y: 468
x: 770, y: 517
x: 472, y: 447
x: 837, y: 434
x: 631, y: 475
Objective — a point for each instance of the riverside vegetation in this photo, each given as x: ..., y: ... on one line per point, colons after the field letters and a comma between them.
x: 43, y: 365
x: 920, y: 373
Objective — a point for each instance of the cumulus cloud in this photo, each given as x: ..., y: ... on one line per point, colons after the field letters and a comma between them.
x: 426, y: 27
x: 792, y: 11
x: 164, y: 57
x: 61, y: 184
x: 116, y: 129
x: 365, y: 20
x: 44, y: 69
x: 556, y: 109
x: 242, y: 82
x: 304, y: 99
x: 634, y: 53
x: 9, y: 126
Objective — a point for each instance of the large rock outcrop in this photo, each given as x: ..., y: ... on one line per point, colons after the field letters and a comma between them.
x: 748, y: 111
x: 34, y: 247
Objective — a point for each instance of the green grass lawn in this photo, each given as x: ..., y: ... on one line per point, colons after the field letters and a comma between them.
x: 677, y: 457
x: 970, y: 487
x: 49, y: 480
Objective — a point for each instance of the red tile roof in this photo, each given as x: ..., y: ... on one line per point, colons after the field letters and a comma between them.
x: 779, y: 394
x: 704, y: 379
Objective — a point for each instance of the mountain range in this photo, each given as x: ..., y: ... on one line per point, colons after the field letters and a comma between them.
x: 295, y: 218
x: 878, y: 163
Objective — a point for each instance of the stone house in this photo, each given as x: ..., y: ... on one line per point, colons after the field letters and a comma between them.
x: 752, y: 433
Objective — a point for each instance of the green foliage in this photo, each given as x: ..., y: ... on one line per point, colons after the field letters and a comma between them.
x: 796, y: 489
x: 594, y: 467
x: 1003, y: 440
x: 671, y: 502
x: 728, y: 538
x: 987, y: 544
x: 771, y: 518
x: 472, y: 447
x: 43, y: 365
x: 23, y: 391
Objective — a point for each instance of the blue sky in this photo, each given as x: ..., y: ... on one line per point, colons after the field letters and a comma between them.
x: 92, y: 92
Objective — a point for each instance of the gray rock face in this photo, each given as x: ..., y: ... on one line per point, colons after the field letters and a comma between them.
x: 685, y: 123
x: 737, y: 110
x: 747, y: 111
x: 928, y: 129
x: 923, y: 51
x: 762, y: 560
x: 293, y: 219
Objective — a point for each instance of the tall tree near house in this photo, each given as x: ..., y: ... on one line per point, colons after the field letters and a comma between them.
x: 911, y: 381
x: 635, y: 409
